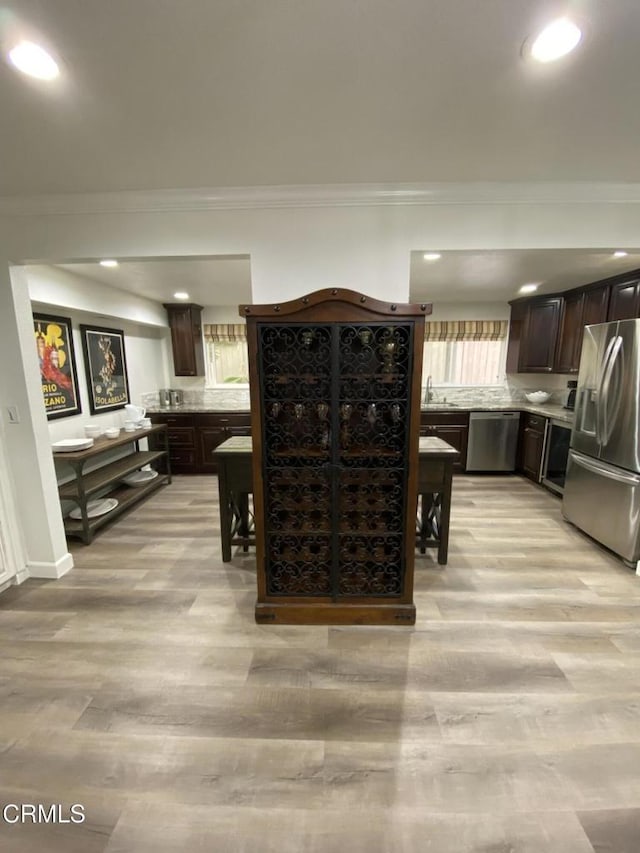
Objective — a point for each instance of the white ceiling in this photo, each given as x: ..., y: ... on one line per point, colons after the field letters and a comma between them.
x: 239, y: 93
x: 459, y: 276
x: 496, y: 276
x: 221, y: 280
x: 204, y: 93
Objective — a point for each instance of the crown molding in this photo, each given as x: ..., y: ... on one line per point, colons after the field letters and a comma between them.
x: 320, y: 195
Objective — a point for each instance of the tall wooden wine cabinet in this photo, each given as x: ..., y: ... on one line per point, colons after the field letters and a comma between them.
x: 335, y: 402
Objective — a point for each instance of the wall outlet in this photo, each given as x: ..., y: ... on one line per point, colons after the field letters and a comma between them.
x: 13, y: 414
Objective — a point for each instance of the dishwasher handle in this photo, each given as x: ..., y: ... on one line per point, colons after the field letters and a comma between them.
x: 493, y: 416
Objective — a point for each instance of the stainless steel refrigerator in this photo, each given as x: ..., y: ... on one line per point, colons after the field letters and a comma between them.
x: 602, y: 487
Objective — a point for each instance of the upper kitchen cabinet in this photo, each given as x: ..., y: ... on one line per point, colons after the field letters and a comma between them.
x: 625, y: 300
x: 186, y: 338
x: 570, y: 337
x: 540, y: 336
x: 545, y: 333
x: 516, y: 331
x: 581, y: 308
x: 596, y: 304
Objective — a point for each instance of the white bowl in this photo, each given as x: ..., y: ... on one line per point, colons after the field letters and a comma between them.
x: 92, y: 431
x: 112, y: 432
x: 537, y: 397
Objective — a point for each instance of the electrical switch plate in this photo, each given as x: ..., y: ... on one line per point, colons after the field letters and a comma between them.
x: 12, y: 412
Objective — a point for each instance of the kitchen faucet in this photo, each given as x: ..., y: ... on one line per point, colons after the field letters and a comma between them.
x: 428, y: 390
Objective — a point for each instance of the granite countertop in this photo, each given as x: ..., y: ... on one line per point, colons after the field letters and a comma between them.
x: 547, y: 410
x: 428, y: 446
x: 195, y: 409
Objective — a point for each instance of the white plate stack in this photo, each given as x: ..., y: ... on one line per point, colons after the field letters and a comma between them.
x: 68, y: 444
x: 95, y: 508
x: 139, y: 478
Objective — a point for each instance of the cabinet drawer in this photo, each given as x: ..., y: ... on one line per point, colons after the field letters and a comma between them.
x: 224, y: 419
x: 238, y: 430
x: 536, y: 422
x: 444, y: 419
x: 172, y: 420
x: 181, y: 436
x: 181, y: 457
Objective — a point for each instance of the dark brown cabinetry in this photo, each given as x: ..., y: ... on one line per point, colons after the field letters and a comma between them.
x: 540, y: 336
x: 194, y: 436
x: 186, y: 339
x: 596, y: 304
x: 335, y: 391
x: 450, y: 427
x: 213, y: 429
x: 625, y: 301
x: 516, y: 331
x: 570, y: 337
x: 545, y: 334
x: 581, y: 308
x: 531, y: 445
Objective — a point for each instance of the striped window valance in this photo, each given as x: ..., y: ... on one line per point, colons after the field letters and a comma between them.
x: 465, y: 330
x: 225, y: 333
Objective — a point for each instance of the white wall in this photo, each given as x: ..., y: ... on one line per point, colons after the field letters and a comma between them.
x: 294, y: 249
x: 69, y: 290
x: 146, y: 359
x: 146, y: 345
x: 221, y: 314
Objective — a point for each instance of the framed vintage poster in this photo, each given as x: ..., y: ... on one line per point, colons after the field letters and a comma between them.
x: 106, y: 368
x: 58, y: 376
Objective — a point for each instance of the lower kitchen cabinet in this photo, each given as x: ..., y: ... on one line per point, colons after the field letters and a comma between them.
x: 450, y: 427
x: 531, y: 445
x: 193, y: 436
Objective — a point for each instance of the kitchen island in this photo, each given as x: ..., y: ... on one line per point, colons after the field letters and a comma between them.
x: 235, y: 488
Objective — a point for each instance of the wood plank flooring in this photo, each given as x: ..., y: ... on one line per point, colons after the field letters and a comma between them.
x: 506, y: 721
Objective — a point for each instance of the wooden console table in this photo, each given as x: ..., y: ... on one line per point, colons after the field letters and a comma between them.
x: 105, y: 480
x: 235, y: 485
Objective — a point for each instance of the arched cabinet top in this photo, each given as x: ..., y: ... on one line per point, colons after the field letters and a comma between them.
x: 332, y: 298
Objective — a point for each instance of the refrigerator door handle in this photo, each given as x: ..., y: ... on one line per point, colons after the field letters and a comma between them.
x: 604, y: 470
x: 610, y: 408
x: 599, y: 423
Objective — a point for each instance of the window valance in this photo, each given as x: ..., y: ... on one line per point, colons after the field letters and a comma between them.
x: 225, y: 333
x: 465, y: 330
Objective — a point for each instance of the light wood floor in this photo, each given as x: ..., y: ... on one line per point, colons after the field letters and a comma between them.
x: 506, y: 721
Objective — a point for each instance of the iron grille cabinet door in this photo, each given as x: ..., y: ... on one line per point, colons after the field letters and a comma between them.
x: 335, y: 400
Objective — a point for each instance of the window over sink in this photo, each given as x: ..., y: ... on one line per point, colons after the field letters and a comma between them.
x: 226, y: 354
x: 465, y: 352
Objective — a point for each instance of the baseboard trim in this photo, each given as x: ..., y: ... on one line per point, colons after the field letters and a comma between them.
x: 52, y: 571
x: 21, y: 576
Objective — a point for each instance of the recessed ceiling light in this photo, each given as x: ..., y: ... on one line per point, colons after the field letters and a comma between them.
x: 528, y: 288
x: 181, y: 295
x: 33, y: 60
x: 557, y: 39
x: 432, y: 256
x: 619, y: 254
x: 108, y: 263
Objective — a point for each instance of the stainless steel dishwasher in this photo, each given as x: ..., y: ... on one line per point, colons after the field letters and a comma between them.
x: 493, y: 441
